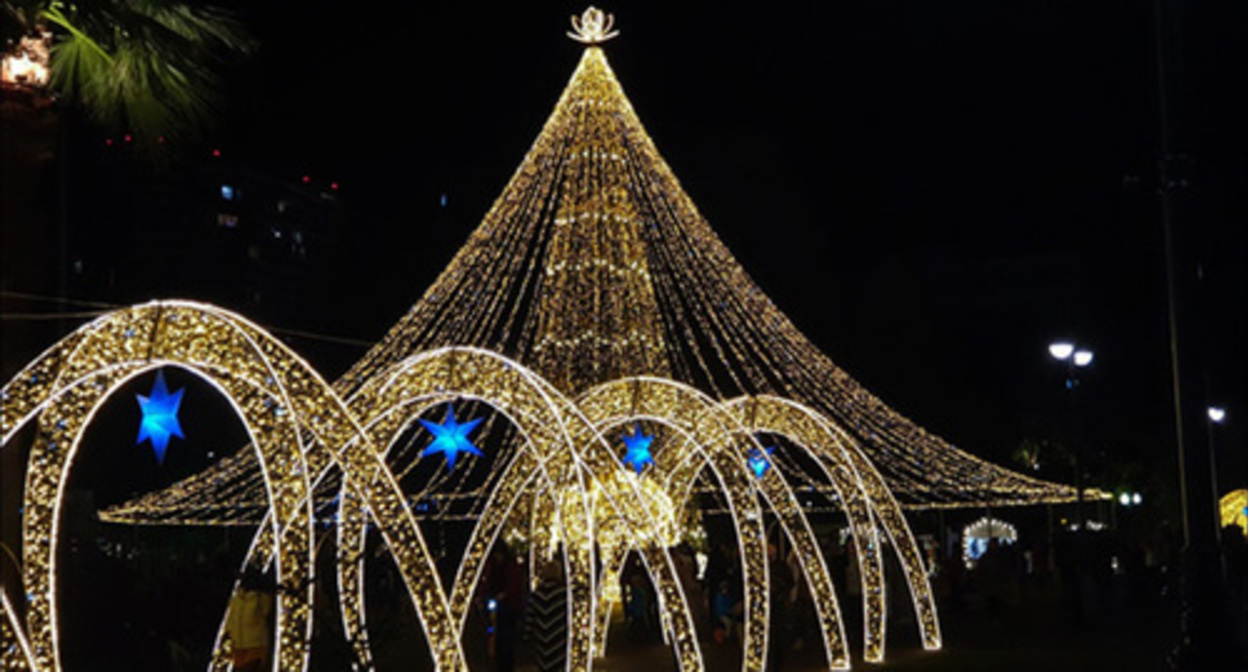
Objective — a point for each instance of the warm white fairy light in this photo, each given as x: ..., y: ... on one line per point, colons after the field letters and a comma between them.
x: 280, y: 400
x: 1233, y: 510
x: 15, y: 653
x: 596, y: 277
x: 866, y: 501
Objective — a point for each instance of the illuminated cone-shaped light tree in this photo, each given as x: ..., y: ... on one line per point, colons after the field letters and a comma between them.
x: 594, y: 307
x: 594, y: 264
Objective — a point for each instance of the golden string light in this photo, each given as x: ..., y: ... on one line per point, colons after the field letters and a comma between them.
x: 593, y: 297
x: 15, y: 653
x: 1233, y: 510
x: 282, y: 403
x: 867, y: 502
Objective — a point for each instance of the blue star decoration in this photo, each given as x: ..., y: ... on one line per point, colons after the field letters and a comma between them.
x: 760, y: 460
x: 160, y: 417
x: 637, y: 449
x: 451, y: 438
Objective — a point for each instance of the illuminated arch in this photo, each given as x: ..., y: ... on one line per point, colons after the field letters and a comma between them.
x: 552, y: 427
x: 716, y: 437
x: 14, y: 649
x: 858, y: 483
x: 389, y: 402
x: 300, y: 430
x: 284, y: 405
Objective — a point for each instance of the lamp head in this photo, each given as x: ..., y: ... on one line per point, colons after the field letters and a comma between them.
x: 1061, y: 349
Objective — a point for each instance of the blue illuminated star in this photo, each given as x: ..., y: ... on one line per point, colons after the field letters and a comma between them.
x: 637, y: 453
x: 160, y: 417
x: 760, y: 460
x: 451, y: 438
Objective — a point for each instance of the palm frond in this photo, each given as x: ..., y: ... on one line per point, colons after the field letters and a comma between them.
x: 148, y: 66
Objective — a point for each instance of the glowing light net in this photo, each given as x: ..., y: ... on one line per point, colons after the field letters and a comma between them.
x: 592, y: 297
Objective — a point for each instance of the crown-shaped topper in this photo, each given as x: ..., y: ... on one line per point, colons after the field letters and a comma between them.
x: 593, y: 26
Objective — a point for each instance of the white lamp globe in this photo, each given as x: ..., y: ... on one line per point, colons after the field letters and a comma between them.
x: 1061, y: 349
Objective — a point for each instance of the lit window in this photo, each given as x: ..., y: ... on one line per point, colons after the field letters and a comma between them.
x: 227, y: 220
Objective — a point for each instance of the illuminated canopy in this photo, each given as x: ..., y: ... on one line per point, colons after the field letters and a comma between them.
x: 593, y: 264
x: 592, y: 298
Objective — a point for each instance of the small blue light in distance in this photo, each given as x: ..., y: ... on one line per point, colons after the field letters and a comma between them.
x: 227, y: 192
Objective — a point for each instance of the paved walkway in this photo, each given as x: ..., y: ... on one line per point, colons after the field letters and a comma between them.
x: 1036, y: 636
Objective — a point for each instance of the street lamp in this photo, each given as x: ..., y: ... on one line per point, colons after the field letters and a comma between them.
x: 1126, y: 499
x: 1217, y: 416
x: 1069, y: 352
x: 1075, y: 358
x: 1061, y: 349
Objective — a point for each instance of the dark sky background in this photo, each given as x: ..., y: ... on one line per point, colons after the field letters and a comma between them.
x: 932, y: 191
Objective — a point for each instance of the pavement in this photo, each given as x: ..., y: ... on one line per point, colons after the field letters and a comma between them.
x: 1038, y: 634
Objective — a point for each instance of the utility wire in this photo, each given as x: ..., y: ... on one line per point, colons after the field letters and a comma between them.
x: 105, y: 308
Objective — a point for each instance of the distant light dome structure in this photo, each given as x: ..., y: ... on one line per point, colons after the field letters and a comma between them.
x: 593, y: 302
x: 978, y: 537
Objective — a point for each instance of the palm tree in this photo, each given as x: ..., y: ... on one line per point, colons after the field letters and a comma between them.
x: 147, y: 67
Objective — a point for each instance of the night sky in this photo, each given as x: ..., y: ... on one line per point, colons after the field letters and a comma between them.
x: 932, y: 191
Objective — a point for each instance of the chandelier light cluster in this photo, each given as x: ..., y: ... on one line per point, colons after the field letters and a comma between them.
x: 590, y: 363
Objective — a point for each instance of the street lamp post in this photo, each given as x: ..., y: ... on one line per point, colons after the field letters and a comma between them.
x: 1126, y: 499
x: 1216, y: 416
x: 1201, y: 643
x: 1075, y: 358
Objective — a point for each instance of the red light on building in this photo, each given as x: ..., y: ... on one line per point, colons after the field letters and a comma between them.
x: 216, y: 153
x: 306, y: 179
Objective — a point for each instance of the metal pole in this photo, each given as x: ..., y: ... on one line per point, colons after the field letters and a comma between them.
x: 1202, y: 642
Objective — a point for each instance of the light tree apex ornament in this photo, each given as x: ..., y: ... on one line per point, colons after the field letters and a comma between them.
x: 593, y: 26
x: 451, y: 438
x: 160, y: 416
